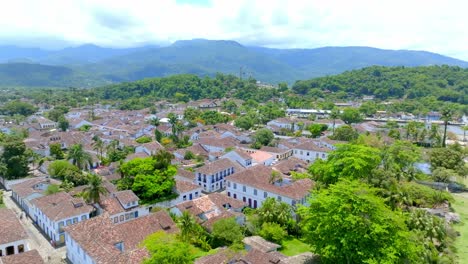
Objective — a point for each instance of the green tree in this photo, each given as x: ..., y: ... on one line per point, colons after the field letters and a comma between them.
x: 442, y: 174
x: 350, y: 161
x: 18, y: 107
x: 450, y: 158
x: 400, y: 158
x: 94, y: 190
x: 345, y: 133
x: 63, y: 123
x: 351, y: 116
x: 56, y: 151
x: 79, y: 156
x: 273, y: 211
x: 263, y: 137
x: 368, y: 108
x: 166, y: 249
x: 15, y: 159
x: 244, y: 122
x: 349, y: 223
x: 273, y: 232
x: 66, y: 171
x: 98, y: 146
x: 316, y: 129
x: 227, y: 231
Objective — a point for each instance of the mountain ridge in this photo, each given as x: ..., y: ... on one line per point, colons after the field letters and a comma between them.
x: 98, y: 65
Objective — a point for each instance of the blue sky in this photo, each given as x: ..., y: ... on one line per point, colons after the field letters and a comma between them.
x: 437, y: 26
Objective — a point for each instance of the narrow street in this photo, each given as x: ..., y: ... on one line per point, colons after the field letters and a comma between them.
x: 36, y: 239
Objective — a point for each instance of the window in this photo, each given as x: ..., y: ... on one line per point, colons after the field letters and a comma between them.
x: 83, y: 217
x: 301, y: 152
x: 60, y: 225
x: 295, y: 151
x: 21, y: 248
x: 293, y: 202
x: 229, y: 194
x: 235, y: 196
x: 127, y: 216
x: 244, y: 189
x: 122, y: 218
x: 184, y: 197
x: 308, y: 153
x: 229, y: 184
x: 265, y: 194
x: 116, y: 220
x: 255, y: 191
x: 279, y: 198
x: 69, y: 222
x: 235, y: 186
x: 75, y: 220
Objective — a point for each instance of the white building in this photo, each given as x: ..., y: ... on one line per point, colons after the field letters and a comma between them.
x: 123, y: 206
x: 53, y: 212
x: 257, y: 183
x: 13, y: 237
x: 212, y: 176
x: 29, y: 189
x: 99, y: 240
x: 239, y: 156
x: 310, y: 151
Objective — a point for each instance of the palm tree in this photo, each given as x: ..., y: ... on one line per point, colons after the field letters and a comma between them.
x: 163, y: 159
x: 186, y: 224
x: 334, y: 114
x: 447, y: 114
x: 94, y: 190
x: 173, y: 121
x: 79, y: 156
x: 98, y: 146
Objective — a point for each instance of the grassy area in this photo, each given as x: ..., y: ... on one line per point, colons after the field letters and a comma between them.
x: 461, y: 207
x: 294, y: 246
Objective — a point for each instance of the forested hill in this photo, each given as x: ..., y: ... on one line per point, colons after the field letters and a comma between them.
x: 442, y: 82
x: 93, y: 66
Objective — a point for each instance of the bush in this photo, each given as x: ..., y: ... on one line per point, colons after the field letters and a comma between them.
x: 273, y: 232
x: 143, y: 140
x: 414, y: 194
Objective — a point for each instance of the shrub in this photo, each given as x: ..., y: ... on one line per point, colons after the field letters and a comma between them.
x: 414, y: 194
x: 143, y: 140
x: 273, y: 232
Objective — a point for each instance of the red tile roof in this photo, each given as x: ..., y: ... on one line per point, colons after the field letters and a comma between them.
x: 61, y: 205
x: 11, y: 229
x: 28, y: 257
x: 259, y: 177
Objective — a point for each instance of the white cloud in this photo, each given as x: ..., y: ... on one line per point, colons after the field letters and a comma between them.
x: 438, y: 26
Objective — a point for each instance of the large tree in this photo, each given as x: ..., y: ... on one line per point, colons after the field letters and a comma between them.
x: 79, y: 156
x: 349, y: 161
x: 263, y: 137
x: 15, y: 159
x: 351, y: 115
x: 227, y: 231
x: 95, y: 189
x: 446, y: 116
x: 348, y: 223
x: 274, y: 211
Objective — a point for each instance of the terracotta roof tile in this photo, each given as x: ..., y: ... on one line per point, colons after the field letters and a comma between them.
x: 28, y: 257
x: 11, y: 229
x: 61, y: 205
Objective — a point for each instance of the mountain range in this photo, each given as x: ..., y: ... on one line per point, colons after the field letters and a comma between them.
x: 91, y: 65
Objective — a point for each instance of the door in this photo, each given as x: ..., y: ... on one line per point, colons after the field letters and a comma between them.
x: 255, y: 204
x: 250, y: 202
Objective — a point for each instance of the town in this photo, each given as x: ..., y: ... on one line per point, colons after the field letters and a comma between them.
x: 102, y: 180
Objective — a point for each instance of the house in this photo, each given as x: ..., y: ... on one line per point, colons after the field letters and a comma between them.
x: 53, y: 212
x: 150, y: 148
x: 239, y: 156
x: 307, y: 112
x: 433, y: 116
x: 122, y: 206
x: 262, y: 157
x: 13, y: 237
x: 214, y: 144
x: 212, y: 207
x: 44, y: 123
x: 310, y: 151
x: 291, y: 165
x: 278, y: 153
x: 29, y: 257
x: 255, y: 184
x: 24, y: 192
x: 187, y: 191
x: 212, y: 176
x: 99, y: 240
x: 284, y: 123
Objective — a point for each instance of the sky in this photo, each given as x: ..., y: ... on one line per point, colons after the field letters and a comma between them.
x: 436, y: 26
